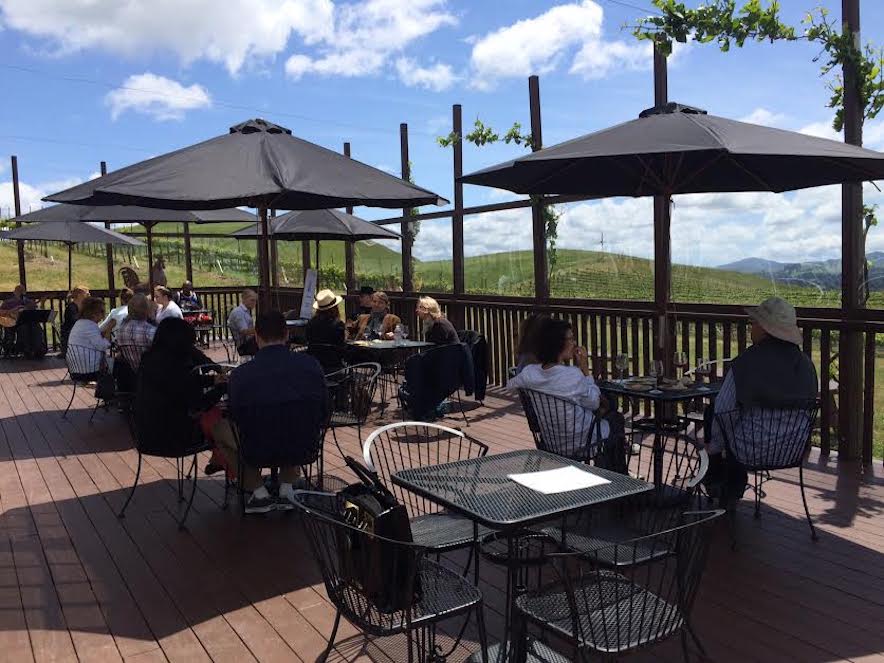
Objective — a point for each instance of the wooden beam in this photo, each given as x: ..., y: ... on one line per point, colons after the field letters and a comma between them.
x: 406, y: 227
x: 662, y: 238
x: 541, y: 261
x: 20, y: 245
x: 349, y: 248
x: 109, y: 253
x: 852, y: 260
x: 457, y: 253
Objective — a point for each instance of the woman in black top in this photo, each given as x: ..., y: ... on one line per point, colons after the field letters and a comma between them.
x: 325, y: 332
x: 437, y: 328
x: 72, y: 314
x: 170, y: 394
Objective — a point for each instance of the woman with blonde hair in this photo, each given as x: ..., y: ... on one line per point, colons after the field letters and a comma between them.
x: 437, y: 328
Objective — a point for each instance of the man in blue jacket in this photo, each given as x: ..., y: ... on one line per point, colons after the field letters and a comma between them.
x: 275, y: 383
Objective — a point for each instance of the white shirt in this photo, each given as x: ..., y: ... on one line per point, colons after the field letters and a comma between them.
x: 570, y: 383
x: 119, y: 314
x: 170, y: 310
x: 86, y: 347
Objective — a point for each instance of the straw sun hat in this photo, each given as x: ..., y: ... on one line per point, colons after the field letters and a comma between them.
x: 326, y: 299
x: 777, y: 317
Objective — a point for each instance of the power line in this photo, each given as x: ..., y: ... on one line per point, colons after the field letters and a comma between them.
x: 636, y: 7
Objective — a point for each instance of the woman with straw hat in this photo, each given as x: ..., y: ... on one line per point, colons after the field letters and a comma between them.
x: 325, y: 331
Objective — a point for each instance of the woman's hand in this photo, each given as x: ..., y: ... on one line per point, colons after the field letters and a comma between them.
x: 581, y: 358
x: 389, y: 336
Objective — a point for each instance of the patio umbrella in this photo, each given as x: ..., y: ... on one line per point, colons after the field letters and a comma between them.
x: 257, y: 164
x: 144, y: 216
x: 679, y: 149
x: 70, y: 233
x: 323, y: 224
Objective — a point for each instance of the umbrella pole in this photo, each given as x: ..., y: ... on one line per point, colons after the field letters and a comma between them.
x: 70, y: 266
x: 149, y: 227
x: 317, y: 264
x: 264, y: 260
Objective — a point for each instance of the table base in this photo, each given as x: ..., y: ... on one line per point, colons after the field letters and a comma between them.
x: 537, y: 653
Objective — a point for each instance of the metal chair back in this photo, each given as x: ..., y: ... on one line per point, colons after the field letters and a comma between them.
x: 768, y: 438
x: 132, y: 353
x: 647, y: 599
x: 352, y: 391
x: 560, y: 425
x: 413, y: 444
x: 84, y: 362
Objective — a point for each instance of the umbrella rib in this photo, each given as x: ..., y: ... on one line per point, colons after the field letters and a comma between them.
x: 754, y: 176
x: 708, y: 164
x: 648, y: 171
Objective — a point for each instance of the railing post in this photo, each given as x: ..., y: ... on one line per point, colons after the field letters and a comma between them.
x: 20, y: 245
x: 852, y: 262
x: 406, y: 228
x: 541, y: 262
x: 109, y: 254
x: 349, y: 249
x: 457, y: 252
x: 662, y: 255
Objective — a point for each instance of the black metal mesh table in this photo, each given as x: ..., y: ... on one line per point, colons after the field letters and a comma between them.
x: 479, y: 488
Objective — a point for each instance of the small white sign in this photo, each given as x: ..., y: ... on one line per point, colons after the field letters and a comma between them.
x: 560, y: 480
x: 309, y: 294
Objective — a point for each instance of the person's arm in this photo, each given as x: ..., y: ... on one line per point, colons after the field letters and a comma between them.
x: 96, y: 339
x: 590, y: 395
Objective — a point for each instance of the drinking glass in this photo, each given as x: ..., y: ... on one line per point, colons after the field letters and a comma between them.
x: 655, y: 370
x: 404, y: 332
x: 621, y: 363
x: 702, y: 369
x: 680, y: 361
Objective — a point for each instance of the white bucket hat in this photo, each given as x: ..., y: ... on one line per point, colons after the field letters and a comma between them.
x: 326, y: 299
x: 777, y: 317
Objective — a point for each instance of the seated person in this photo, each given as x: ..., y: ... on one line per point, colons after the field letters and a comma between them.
x: 526, y: 349
x: 88, y: 341
x: 119, y: 313
x: 26, y: 338
x: 772, y: 373
x: 436, y: 327
x: 134, y: 338
x: 240, y: 324
x: 553, y: 375
x: 170, y: 396
x: 71, y: 313
x: 380, y: 323
x: 325, y: 332
x: 167, y: 306
x: 364, y: 307
x: 275, y: 376
x: 187, y: 298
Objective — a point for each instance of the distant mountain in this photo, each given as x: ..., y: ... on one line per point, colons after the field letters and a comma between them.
x: 822, y: 273
x: 754, y: 266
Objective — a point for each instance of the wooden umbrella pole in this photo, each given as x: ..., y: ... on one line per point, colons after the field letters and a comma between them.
x: 264, y: 260
x: 70, y: 266
x: 149, y: 228
x: 317, y: 264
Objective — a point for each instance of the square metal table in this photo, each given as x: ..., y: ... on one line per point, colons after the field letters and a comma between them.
x: 479, y: 489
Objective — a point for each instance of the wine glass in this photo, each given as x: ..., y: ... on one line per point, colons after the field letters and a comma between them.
x: 680, y: 361
x: 404, y: 332
x: 655, y: 370
x: 621, y: 363
x: 702, y: 369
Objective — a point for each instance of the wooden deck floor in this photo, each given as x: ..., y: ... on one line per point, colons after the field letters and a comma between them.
x: 76, y: 583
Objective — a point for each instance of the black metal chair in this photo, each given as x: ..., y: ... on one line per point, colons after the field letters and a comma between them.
x: 360, y: 570
x: 190, y: 451
x: 274, y: 435
x: 561, y: 426
x: 595, y: 609
x: 131, y: 354
x: 413, y: 444
x: 351, y: 395
x: 85, y: 365
x: 766, y: 439
x: 331, y: 357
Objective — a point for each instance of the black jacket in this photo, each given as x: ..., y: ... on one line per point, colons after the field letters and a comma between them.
x: 478, y: 348
x: 326, y: 342
x: 433, y: 375
x: 774, y: 373
x: 441, y: 332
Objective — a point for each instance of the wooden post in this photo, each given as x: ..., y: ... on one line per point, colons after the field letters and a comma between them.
x: 188, y: 258
x: 541, y: 261
x: 109, y: 254
x: 852, y: 262
x: 20, y: 245
x: 457, y: 252
x: 662, y: 239
x: 305, y: 256
x: 148, y: 227
x: 263, y: 260
x: 274, y: 253
x: 406, y: 227
x: 349, y: 249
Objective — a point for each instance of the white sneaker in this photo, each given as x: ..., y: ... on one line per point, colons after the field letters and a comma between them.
x: 260, y: 502
x: 286, y: 500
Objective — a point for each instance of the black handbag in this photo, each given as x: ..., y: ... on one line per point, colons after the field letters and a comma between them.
x: 385, y: 572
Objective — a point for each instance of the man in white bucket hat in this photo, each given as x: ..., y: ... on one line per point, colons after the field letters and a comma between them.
x: 774, y: 373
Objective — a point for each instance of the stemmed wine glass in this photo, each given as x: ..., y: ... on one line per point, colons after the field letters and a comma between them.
x: 703, y: 369
x: 621, y: 363
x: 655, y: 370
x: 680, y: 361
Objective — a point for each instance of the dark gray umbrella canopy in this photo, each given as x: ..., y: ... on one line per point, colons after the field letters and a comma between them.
x: 679, y: 149
x: 326, y: 224
x: 131, y: 214
x: 71, y: 232
x: 257, y: 164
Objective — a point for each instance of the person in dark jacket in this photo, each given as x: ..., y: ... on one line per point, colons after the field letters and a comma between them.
x: 325, y: 333
x: 432, y: 376
x: 437, y: 328
x: 275, y: 377
x: 72, y: 313
x: 169, y: 395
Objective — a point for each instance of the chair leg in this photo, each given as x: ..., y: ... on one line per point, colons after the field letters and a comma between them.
x: 813, y: 534
x: 696, y: 640
x: 226, y: 502
x: 757, y: 496
x: 483, y: 634
x: 331, y: 640
x: 94, y: 410
x: 192, y: 495
x: 462, y: 413
x: 70, y: 402
x: 122, y: 513
x: 684, y: 646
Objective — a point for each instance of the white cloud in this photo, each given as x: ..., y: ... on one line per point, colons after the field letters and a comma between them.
x: 31, y: 194
x: 364, y: 37
x: 764, y: 117
x: 540, y: 44
x: 161, y: 98
x: 436, y: 77
x: 232, y: 32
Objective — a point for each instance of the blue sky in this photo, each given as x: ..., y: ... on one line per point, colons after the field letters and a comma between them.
x: 120, y: 82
